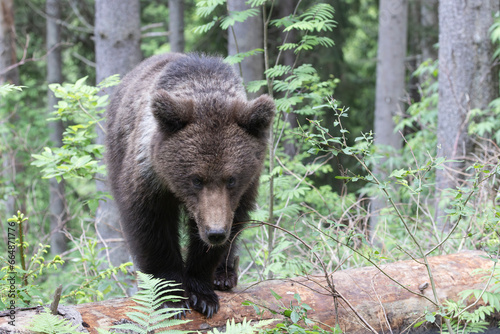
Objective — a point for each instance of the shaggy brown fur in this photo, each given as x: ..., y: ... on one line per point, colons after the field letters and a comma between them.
x: 181, y: 134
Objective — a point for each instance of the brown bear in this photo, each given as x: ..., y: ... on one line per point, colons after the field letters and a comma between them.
x: 184, y: 141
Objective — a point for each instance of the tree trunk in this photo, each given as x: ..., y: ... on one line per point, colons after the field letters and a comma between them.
x: 7, y: 59
x: 466, y: 81
x: 117, y: 49
x: 7, y: 43
x: 176, y: 25
x: 243, y: 37
x: 57, y: 206
x: 384, y: 305
x: 392, y: 40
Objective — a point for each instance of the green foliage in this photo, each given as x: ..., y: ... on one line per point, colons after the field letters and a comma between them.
x: 30, y: 272
x: 79, y: 156
x: 150, y: 316
x: 237, y: 58
x: 295, y: 316
x: 475, y: 320
x: 240, y: 16
x: 317, y: 18
x: 319, y: 221
x: 46, y: 323
x: 495, y: 35
x: 96, y: 284
x: 243, y: 327
x: 7, y: 88
x: 19, y: 278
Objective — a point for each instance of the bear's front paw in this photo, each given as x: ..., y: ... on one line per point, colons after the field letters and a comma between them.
x: 225, y: 279
x: 206, y: 303
x: 179, y: 308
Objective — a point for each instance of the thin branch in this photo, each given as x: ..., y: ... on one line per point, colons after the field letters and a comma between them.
x: 84, y: 60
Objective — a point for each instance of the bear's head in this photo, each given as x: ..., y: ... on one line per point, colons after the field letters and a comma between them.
x: 210, y: 153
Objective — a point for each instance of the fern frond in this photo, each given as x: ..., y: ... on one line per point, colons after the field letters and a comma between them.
x: 51, y: 324
x: 149, y: 315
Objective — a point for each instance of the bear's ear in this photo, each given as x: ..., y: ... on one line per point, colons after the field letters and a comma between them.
x: 257, y: 116
x: 172, y: 114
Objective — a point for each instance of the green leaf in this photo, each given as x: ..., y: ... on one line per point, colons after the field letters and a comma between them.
x: 239, y: 16
x: 275, y: 295
x: 399, y: 173
x: 8, y: 88
x: 294, y: 316
x: 205, y: 27
x: 206, y: 7
x: 237, y: 58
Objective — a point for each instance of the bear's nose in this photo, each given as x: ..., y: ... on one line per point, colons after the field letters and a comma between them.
x: 216, y: 237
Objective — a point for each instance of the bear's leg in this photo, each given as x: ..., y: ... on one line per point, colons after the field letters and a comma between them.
x: 151, y: 229
x: 226, y: 274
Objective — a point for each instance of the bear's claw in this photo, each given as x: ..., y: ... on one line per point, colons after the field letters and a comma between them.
x: 225, y: 279
x: 205, y: 304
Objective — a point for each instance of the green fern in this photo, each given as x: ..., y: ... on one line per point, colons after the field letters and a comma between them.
x: 46, y: 323
x: 243, y: 327
x: 150, y: 316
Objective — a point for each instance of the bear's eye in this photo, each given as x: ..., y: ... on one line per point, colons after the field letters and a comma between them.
x: 197, y: 182
x: 231, y: 182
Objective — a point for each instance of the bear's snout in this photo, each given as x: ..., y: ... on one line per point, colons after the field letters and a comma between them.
x: 216, y: 236
x: 214, y: 215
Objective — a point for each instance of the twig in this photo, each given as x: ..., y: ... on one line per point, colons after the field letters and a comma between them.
x: 24, y: 58
x: 84, y: 60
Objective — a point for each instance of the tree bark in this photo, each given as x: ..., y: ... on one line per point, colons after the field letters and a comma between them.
x: 466, y: 81
x: 7, y: 43
x: 246, y: 36
x: 384, y: 305
x: 7, y: 59
x: 57, y: 206
x: 392, y: 41
x: 117, y: 49
x: 176, y: 25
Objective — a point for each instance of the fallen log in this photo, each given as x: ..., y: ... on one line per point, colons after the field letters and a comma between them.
x: 366, y: 293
